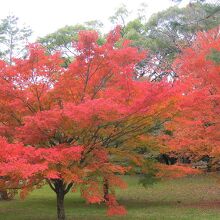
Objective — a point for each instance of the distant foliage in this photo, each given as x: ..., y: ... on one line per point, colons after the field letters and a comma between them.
x: 13, y: 38
x: 195, y: 128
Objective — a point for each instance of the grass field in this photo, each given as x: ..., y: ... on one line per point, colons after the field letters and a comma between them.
x: 196, y: 198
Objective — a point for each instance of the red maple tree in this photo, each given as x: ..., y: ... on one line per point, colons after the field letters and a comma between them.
x: 69, y: 127
x: 195, y: 127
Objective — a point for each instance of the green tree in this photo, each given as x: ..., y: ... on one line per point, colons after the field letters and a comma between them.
x: 13, y: 39
x: 61, y: 40
x: 120, y: 17
x: 167, y: 32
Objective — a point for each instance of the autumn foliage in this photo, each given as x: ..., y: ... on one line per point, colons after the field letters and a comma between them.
x: 195, y: 127
x: 77, y: 126
x: 81, y: 126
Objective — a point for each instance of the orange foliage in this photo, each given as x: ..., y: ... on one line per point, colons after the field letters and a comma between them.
x: 196, y: 127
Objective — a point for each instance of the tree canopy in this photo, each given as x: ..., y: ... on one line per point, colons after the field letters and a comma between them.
x: 74, y: 125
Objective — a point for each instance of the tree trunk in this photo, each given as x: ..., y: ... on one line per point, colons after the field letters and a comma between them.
x: 106, y: 190
x: 209, y: 165
x: 3, y: 195
x: 60, y: 192
x: 60, y: 206
x: 61, y: 189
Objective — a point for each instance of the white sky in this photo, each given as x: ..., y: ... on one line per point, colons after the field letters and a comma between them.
x: 46, y: 16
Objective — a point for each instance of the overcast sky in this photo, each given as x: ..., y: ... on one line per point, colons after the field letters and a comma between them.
x: 46, y: 16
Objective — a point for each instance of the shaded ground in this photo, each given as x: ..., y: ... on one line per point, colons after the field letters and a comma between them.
x: 196, y: 198
x: 205, y: 205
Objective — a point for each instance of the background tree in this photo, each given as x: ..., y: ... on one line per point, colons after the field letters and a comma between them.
x: 120, y: 16
x: 13, y: 39
x: 166, y: 33
x: 194, y: 131
x: 62, y: 39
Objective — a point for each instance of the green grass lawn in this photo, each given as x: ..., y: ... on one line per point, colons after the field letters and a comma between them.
x: 188, y: 198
